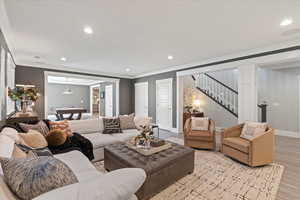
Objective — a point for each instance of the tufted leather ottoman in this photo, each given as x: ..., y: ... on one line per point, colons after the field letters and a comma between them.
x: 162, y: 169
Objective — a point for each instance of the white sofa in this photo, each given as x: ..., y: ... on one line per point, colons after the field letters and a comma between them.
x: 92, y: 129
x: 92, y: 185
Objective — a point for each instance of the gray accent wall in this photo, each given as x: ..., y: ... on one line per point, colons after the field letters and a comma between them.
x: 152, y: 93
x: 34, y: 75
x: 80, y: 98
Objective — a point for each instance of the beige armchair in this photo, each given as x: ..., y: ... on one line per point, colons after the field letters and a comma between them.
x: 199, y: 139
x: 255, y: 152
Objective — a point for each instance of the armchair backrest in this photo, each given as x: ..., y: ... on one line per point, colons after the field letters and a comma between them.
x: 188, y: 126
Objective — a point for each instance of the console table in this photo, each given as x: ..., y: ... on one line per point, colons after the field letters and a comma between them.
x: 20, y: 117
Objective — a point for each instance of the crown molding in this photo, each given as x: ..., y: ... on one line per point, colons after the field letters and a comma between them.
x: 74, y: 70
x: 6, y: 30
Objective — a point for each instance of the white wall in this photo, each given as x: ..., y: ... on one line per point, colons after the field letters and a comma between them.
x: 280, y: 88
x: 229, y: 77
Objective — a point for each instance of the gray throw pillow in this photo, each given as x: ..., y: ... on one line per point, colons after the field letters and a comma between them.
x: 111, y: 125
x: 41, y: 127
x: 32, y: 176
x: 44, y: 151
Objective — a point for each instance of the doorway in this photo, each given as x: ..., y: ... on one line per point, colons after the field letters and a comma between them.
x: 108, y: 100
x: 141, y: 99
x: 164, y: 108
x: 95, y: 101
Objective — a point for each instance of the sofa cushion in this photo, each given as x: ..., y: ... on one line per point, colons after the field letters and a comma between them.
x: 117, y: 185
x: 100, y: 140
x: 79, y: 164
x: 30, y: 177
x: 238, y: 143
x: 86, y: 126
x: 126, y: 135
x: 252, y: 130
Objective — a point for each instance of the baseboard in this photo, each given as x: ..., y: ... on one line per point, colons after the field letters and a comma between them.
x: 219, y: 129
x: 173, y: 130
x: 287, y: 133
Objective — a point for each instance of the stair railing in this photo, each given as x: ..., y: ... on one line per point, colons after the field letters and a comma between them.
x: 219, y: 92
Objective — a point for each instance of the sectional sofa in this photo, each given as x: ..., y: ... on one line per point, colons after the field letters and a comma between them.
x: 93, y: 185
x: 92, y: 129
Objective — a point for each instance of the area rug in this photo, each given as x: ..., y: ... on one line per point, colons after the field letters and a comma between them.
x: 217, y: 177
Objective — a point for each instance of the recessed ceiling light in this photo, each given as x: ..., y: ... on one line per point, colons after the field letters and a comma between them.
x: 88, y: 30
x: 63, y: 59
x: 286, y: 22
x: 127, y: 69
x: 170, y: 57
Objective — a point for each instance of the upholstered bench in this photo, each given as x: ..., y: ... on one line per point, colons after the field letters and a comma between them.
x: 162, y: 169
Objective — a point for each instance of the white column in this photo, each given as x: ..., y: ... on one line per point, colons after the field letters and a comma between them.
x: 247, y: 88
x: 117, y: 97
x: 180, y: 103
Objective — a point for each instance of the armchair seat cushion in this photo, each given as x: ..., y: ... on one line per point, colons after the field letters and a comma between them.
x: 200, y: 135
x: 237, y: 143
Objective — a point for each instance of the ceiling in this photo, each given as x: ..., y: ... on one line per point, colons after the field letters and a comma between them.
x: 72, y: 80
x: 140, y: 34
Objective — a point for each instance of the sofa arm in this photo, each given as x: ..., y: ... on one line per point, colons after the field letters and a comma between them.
x: 187, y: 126
x: 262, y: 148
x: 117, y: 185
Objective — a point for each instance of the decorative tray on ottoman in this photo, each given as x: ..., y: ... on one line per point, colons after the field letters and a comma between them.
x: 149, y: 151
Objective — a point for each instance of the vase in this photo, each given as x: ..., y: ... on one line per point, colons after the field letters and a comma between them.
x: 23, y: 106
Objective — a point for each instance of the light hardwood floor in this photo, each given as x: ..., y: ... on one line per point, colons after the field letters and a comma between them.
x: 287, y: 153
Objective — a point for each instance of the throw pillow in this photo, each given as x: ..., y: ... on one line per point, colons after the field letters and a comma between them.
x: 37, y: 151
x: 11, y: 133
x: 140, y: 122
x: 40, y: 127
x: 61, y: 125
x: 33, y: 139
x: 32, y: 176
x: 56, y: 137
x: 252, y: 130
x: 200, y: 123
x: 127, y: 121
x: 111, y: 125
x: 6, y: 148
x: 18, y: 153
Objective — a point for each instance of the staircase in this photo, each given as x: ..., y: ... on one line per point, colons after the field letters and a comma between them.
x: 220, y: 93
